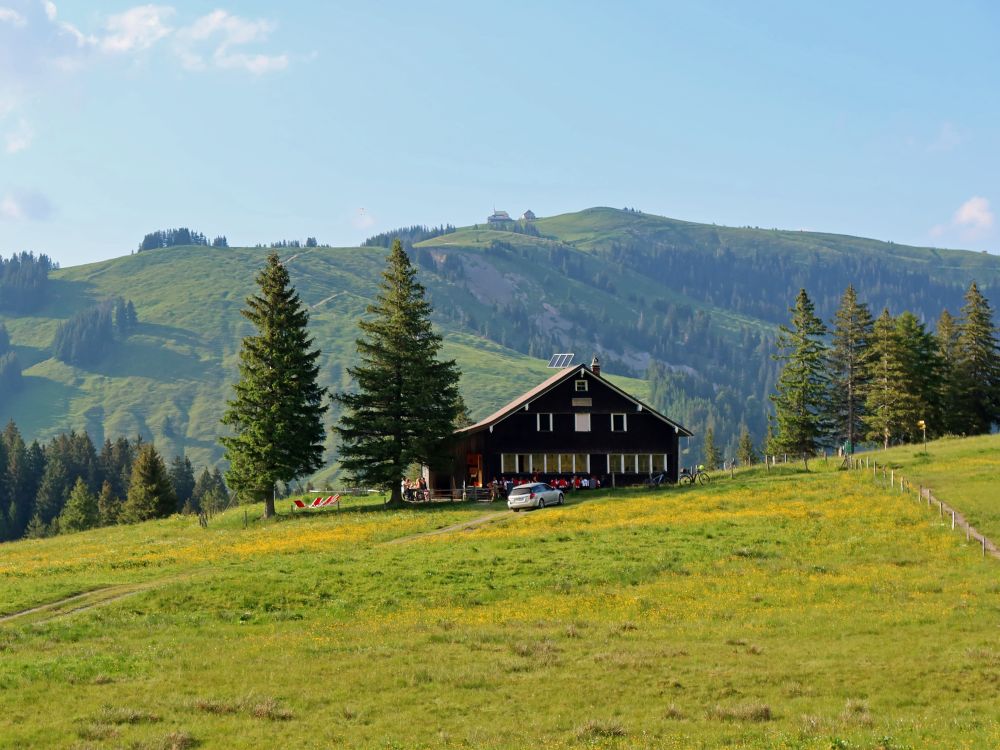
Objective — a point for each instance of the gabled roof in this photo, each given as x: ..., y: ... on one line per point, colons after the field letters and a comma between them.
x: 550, y: 383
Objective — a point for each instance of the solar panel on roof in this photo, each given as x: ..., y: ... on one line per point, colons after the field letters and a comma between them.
x: 560, y: 361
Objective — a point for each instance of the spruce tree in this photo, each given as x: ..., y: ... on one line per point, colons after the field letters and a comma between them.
x: 80, y: 512
x: 946, y: 335
x: 801, y: 391
x: 277, y: 412
x: 182, y: 478
x: 745, y: 451
x: 921, y: 365
x: 150, y: 494
x: 977, y: 365
x: 710, y: 453
x: 888, y: 403
x: 407, y: 400
x: 109, y: 507
x: 849, y: 355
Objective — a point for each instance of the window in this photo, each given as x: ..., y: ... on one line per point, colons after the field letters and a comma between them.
x: 551, y: 463
x: 508, y: 463
x: 544, y: 422
x: 582, y: 422
x: 658, y: 463
x: 523, y: 465
x: 643, y: 463
x: 538, y: 462
x: 628, y: 463
x: 615, y: 463
x: 618, y: 423
x: 581, y: 386
x: 565, y: 463
x: 582, y: 465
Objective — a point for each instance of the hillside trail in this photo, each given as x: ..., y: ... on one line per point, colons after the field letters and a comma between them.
x: 80, y: 602
x: 469, y: 525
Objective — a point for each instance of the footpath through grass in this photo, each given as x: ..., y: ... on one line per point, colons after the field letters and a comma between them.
x: 780, y: 610
x: 963, y: 472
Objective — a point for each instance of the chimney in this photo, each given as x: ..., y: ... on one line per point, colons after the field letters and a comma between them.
x: 595, y: 365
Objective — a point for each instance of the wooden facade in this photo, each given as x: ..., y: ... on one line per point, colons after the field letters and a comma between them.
x: 576, y: 423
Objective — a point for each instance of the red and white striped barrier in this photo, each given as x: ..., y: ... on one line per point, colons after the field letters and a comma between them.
x: 319, y: 502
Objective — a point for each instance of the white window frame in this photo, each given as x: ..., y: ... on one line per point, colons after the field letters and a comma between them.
x: 577, y: 422
x: 624, y: 422
x: 539, y: 419
x: 581, y: 386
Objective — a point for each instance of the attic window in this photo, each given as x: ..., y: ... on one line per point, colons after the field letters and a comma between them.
x: 618, y: 423
x: 544, y: 422
x: 582, y: 422
x: 581, y: 386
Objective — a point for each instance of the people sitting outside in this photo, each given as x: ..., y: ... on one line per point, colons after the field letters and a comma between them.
x: 576, y: 482
x: 585, y: 483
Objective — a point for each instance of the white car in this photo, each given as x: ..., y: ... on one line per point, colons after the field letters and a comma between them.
x: 536, y: 495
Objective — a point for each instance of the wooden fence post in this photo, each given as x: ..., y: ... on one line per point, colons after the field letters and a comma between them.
x: 984, y: 546
x: 952, y: 520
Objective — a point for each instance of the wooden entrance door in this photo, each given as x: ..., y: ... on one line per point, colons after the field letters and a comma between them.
x: 474, y: 469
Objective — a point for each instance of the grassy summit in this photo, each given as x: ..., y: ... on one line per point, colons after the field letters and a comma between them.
x: 772, y: 610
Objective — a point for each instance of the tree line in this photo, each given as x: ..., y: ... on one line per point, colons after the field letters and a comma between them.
x: 178, y: 238
x: 10, y: 366
x: 408, y: 236
x: 24, y: 281
x: 88, y: 336
x: 887, y: 380
x: 67, y: 485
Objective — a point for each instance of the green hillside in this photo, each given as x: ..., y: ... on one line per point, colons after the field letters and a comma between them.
x: 690, y: 307
x: 779, y: 609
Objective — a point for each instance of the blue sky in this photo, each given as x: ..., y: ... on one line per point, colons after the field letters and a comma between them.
x: 265, y: 121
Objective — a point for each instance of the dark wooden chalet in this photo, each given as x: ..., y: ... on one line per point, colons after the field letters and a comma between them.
x: 576, y: 423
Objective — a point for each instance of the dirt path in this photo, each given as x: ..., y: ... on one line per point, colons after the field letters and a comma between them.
x: 97, y: 597
x: 499, y: 515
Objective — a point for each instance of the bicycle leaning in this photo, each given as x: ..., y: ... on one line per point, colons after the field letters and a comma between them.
x: 690, y: 476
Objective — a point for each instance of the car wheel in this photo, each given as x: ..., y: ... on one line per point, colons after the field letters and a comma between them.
x: 561, y: 499
x: 541, y: 502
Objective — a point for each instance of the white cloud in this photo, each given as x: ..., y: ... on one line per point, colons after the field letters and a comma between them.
x: 974, y: 215
x: 40, y: 50
x: 136, y: 29
x: 21, y: 205
x: 19, y: 137
x: 221, y: 32
x: 972, y: 221
x: 11, y: 16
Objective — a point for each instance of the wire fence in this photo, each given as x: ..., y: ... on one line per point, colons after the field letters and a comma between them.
x: 888, y: 477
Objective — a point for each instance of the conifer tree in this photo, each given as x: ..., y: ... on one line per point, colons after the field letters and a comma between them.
x: 150, y: 494
x: 801, y: 391
x: 182, y: 478
x: 109, y: 507
x: 745, y: 451
x: 278, y: 408
x: 946, y: 335
x: 407, y: 398
x: 977, y: 365
x: 921, y: 365
x: 849, y: 355
x: 710, y: 452
x: 80, y: 512
x: 888, y: 404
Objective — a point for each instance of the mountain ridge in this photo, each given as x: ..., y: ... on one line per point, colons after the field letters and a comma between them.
x: 690, y: 307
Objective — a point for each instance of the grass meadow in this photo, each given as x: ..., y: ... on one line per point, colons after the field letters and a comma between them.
x: 963, y: 472
x: 775, y: 609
